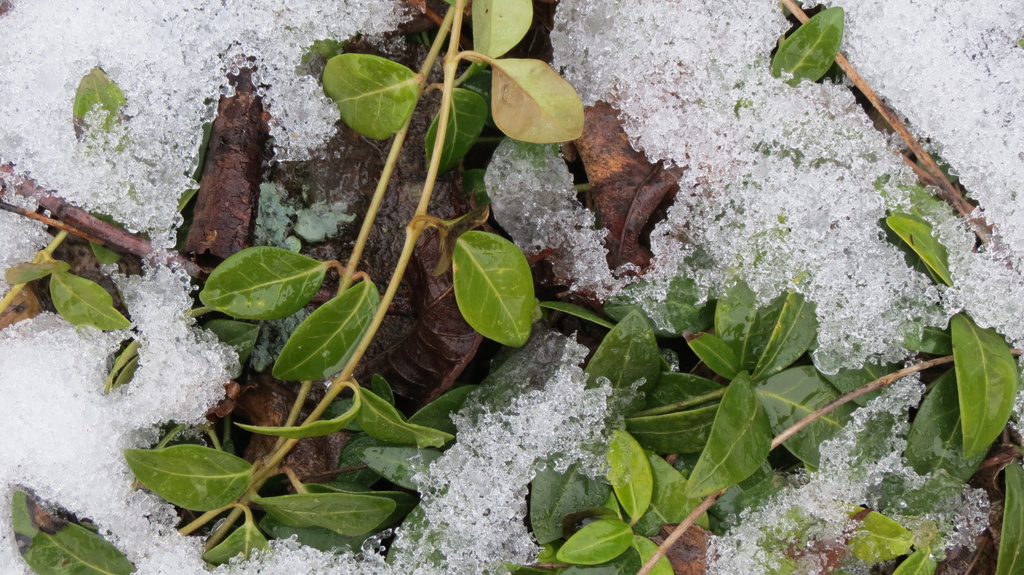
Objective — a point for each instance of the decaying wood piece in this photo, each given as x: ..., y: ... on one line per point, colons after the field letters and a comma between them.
x: 226, y: 206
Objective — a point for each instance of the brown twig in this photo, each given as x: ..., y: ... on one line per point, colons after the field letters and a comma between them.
x: 777, y: 441
x: 49, y: 221
x: 946, y: 190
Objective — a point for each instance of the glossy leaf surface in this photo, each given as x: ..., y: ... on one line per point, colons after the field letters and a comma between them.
x: 438, y: 413
x: 679, y: 308
x: 790, y: 396
x: 380, y: 419
x: 103, y: 254
x: 794, y: 331
x: 343, y: 513
x: 919, y: 562
x: 498, y: 25
x: 27, y: 271
x: 399, y: 464
x: 745, y: 325
x: 263, y: 283
x: 191, y: 476
x: 1011, y: 541
x: 626, y: 564
x: 935, y: 440
x: 316, y: 429
x: 323, y: 342
x: 674, y: 387
x: 97, y: 90
x: 646, y: 549
x: 669, y: 503
x: 553, y: 495
x: 879, y: 538
x: 84, y: 302
x: 681, y: 432
x: 532, y: 103
x: 986, y: 377
x: 627, y: 354
x: 809, y: 52
x: 597, y: 542
x: 740, y: 441
x: 75, y: 550
x: 238, y: 334
x: 493, y: 287
x: 242, y: 541
x: 716, y: 354
x: 465, y: 122
x: 629, y: 473
x: 375, y: 96
x: 847, y: 380
x: 918, y: 235
x: 578, y: 311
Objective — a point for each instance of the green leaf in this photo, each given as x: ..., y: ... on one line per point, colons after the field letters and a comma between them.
x: 315, y: 429
x: 794, y: 332
x: 75, y: 550
x: 578, y: 311
x: 380, y: 419
x: 465, y: 122
x: 681, y: 432
x: 626, y: 564
x: 324, y: 341
x: 554, y: 495
x: 27, y: 271
x: 380, y: 386
x: 498, y: 25
x: 629, y: 473
x: 986, y: 377
x: 493, y: 287
x: 597, y: 542
x: 191, y: 476
x: 84, y: 302
x: 740, y: 441
x: 438, y: 413
x: 809, y: 52
x: 669, y: 503
x: 790, y: 396
x: 647, y: 548
x: 532, y: 103
x: 847, y: 380
x: 679, y: 308
x: 935, y: 440
x: 918, y: 235
x: 96, y: 89
x: 263, y: 283
x: 104, y: 255
x: 920, y: 562
x: 879, y: 538
x: 716, y: 354
x: 399, y: 464
x: 1011, y: 541
x: 933, y: 340
x: 242, y: 541
x: 674, y: 387
x: 238, y: 334
x: 744, y: 325
x: 343, y: 513
x: 375, y: 96
x: 628, y: 354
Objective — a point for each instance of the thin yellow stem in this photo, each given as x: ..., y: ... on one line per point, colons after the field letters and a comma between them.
x: 42, y: 255
x: 203, y: 519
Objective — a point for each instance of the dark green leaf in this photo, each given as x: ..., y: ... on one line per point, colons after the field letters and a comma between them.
x: 242, y: 541
x: 578, y: 311
x: 920, y: 562
x: 404, y: 502
x: 104, y: 255
x: 465, y: 122
x: 646, y: 549
x: 553, y: 495
x: 381, y: 420
x: 316, y: 429
x: 879, y: 538
x: 352, y: 455
x: 498, y: 25
x: 493, y: 287
x: 25, y: 272
x: 97, y: 90
x: 918, y: 235
x: 263, y: 283
x: 84, y: 302
x: 716, y: 354
x: 438, y: 413
x: 847, y: 380
x: 628, y: 354
x: 382, y: 388
x: 679, y: 307
x: 794, y: 332
x: 682, y: 432
x: 315, y: 537
x: 399, y: 464
x: 238, y: 334
x: 532, y: 103
x: 1011, y: 541
x: 629, y: 473
x: 790, y: 396
x: 626, y: 564
x: 740, y: 441
x: 597, y: 542
x: 935, y: 440
x: 674, y: 387
x: 809, y: 52
x: 375, y: 96
x: 669, y: 503
x: 932, y: 340
x: 473, y: 183
x: 324, y: 341
x: 744, y: 325
x: 343, y: 513
x: 74, y: 550
x: 191, y: 476
x: 986, y: 377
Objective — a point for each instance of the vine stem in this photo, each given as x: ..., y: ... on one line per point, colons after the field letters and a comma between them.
x: 682, y: 405
x: 777, y: 441
x: 42, y: 255
x: 948, y: 193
